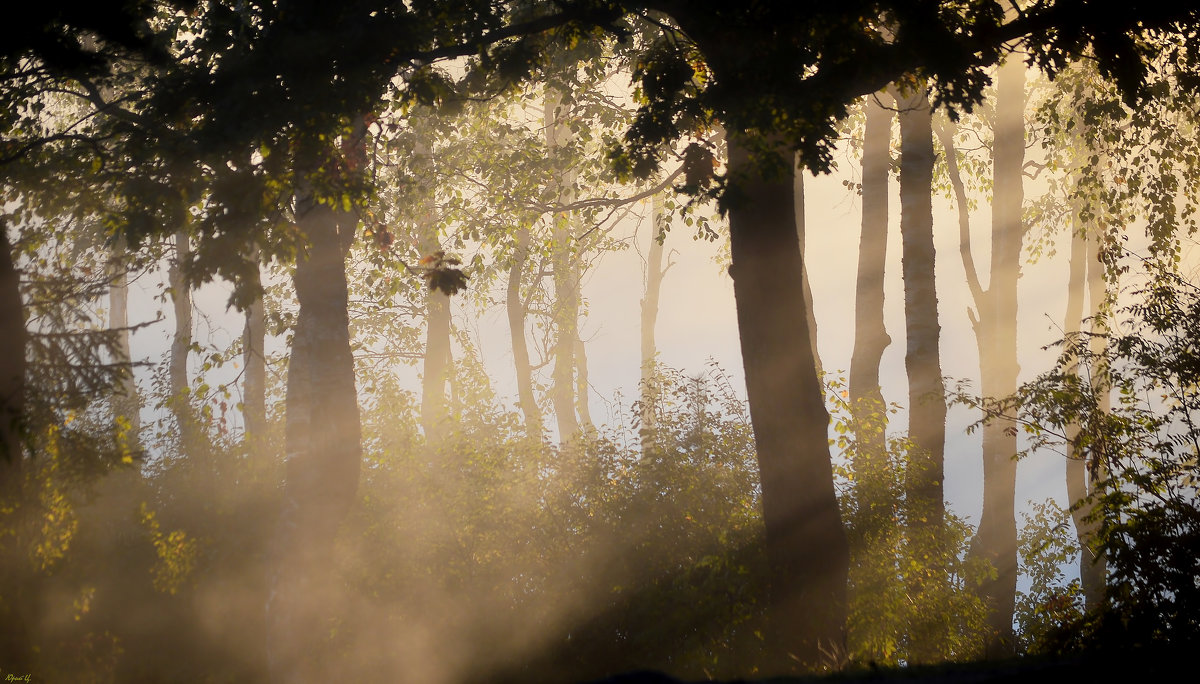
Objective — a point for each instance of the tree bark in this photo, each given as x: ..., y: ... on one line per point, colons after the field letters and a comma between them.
x: 922, y: 360
x: 924, y: 475
x: 870, y: 335
x: 805, y: 541
x: 434, y: 409
x: 517, y: 312
x: 798, y: 198
x: 180, y: 389
x: 582, y: 384
x: 566, y: 285
x: 19, y: 611
x: 996, y: 335
x: 649, y: 315
x: 254, y: 390
x: 125, y: 403
x: 12, y: 371
x: 323, y: 443
x: 436, y: 365
x: 1079, y: 486
x: 1093, y: 567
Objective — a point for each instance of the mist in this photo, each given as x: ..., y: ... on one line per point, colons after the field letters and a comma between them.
x: 532, y: 358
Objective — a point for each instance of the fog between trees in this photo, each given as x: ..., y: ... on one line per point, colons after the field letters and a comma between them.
x: 479, y: 414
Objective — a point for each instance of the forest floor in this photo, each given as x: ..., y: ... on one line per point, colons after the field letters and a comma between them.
x: 1094, y: 668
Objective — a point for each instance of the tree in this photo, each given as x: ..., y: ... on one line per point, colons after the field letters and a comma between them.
x: 806, y: 591
x: 655, y: 271
x: 806, y: 88
x: 925, y: 471
x: 181, y: 344
x: 254, y: 361
x: 323, y: 435
x: 1140, y: 453
x: 248, y: 94
x: 870, y: 335
x: 926, y: 393
x: 995, y: 331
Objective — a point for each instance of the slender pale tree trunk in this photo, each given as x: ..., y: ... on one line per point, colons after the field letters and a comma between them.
x: 436, y: 374
x: 1093, y: 567
x: 517, y: 313
x: 996, y: 334
x: 870, y: 335
x: 436, y: 371
x: 583, y: 402
x: 798, y: 198
x: 126, y: 402
x: 649, y: 315
x: 254, y: 389
x: 926, y: 392
x: 1080, y: 482
x: 179, y: 386
x: 807, y: 588
x: 566, y: 282
x: 323, y: 444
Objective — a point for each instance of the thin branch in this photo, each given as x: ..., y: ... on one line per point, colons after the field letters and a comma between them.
x: 942, y: 128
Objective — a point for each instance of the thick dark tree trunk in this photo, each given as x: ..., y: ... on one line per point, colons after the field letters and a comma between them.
x: 12, y: 372
x: 926, y: 391
x: 254, y: 389
x: 17, y: 611
x: 517, y: 312
x: 323, y: 449
x: 922, y: 360
x: 180, y: 389
x: 996, y: 334
x: 806, y: 543
x: 870, y: 335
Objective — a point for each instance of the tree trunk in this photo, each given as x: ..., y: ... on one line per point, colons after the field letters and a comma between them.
x: 434, y: 410
x: 924, y: 475
x: 436, y: 368
x: 254, y: 390
x: 870, y: 335
x: 1079, y: 486
x: 125, y: 402
x: 179, y: 388
x: 1093, y: 569
x: 517, y: 312
x: 566, y: 285
x: 19, y: 611
x: 996, y: 334
x: 922, y: 360
x: 323, y: 449
x: 798, y: 197
x: 649, y: 316
x: 12, y: 372
x: 806, y: 543
x: 582, y: 385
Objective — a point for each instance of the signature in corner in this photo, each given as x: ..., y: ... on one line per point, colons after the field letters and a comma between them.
x: 18, y: 678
